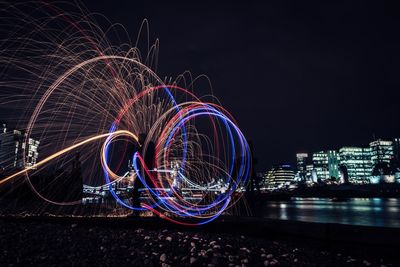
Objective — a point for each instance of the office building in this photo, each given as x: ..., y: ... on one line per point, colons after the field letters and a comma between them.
x: 302, y: 165
x: 14, y: 153
x: 320, y: 163
x: 381, y: 151
x: 357, y: 161
x: 279, y: 176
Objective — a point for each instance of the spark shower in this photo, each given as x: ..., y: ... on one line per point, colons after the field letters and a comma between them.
x: 78, y: 91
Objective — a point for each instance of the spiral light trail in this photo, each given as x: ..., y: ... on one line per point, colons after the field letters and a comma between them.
x: 81, y: 92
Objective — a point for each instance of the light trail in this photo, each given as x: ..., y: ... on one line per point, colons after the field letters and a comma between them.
x: 75, y: 87
x: 65, y: 150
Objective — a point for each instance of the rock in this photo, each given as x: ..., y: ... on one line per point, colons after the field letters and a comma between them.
x: 245, y: 249
x: 270, y: 256
x: 367, y: 263
x: 74, y: 225
x: 245, y: 261
x: 163, y: 257
x: 212, y: 243
x: 168, y: 238
x: 192, y: 244
x: 165, y: 265
x: 231, y: 258
x: 146, y: 237
x: 274, y: 262
x: 295, y: 260
x: 192, y: 260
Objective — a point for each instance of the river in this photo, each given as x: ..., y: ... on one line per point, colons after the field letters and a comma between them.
x: 357, y: 211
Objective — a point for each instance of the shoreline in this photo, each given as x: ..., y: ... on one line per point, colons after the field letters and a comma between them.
x: 154, y: 242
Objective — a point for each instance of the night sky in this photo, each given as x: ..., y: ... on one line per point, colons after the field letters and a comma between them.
x: 297, y: 77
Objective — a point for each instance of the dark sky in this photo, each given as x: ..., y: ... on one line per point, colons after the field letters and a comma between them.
x: 298, y: 77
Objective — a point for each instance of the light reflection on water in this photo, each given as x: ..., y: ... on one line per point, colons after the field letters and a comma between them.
x: 358, y: 211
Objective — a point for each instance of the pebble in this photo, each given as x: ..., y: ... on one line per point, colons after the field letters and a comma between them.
x: 367, y: 263
x: 137, y: 247
x: 163, y: 257
x: 193, y: 260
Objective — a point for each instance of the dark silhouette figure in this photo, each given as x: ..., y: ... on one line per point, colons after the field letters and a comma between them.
x: 148, y: 157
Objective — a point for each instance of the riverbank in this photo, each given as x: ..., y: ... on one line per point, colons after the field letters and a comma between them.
x: 227, y: 242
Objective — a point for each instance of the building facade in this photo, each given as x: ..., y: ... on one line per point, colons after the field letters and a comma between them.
x: 301, y: 159
x: 357, y: 161
x: 381, y: 151
x: 14, y: 153
x: 320, y: 164
x: 278, y: 176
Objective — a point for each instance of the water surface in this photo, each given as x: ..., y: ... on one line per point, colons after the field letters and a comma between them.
x: 357, y: 211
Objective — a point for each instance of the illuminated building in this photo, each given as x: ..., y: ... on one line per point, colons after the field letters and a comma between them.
x: 357, y: 161
x: 279, y: 176
x: 309, y: 170
x: 301, y: 165
x: 381, y: 151
x: 333, y: 164
x: 320, y: 163
x: 326, y: 164
x: 383, y: 164
x: 12, y: 148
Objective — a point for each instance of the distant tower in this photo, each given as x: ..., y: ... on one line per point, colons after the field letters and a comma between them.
x: 302, y: 165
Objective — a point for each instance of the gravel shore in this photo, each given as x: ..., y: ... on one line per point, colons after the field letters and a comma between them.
x: 44, y: 244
